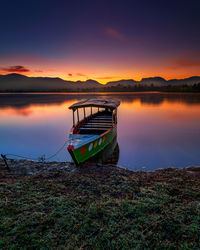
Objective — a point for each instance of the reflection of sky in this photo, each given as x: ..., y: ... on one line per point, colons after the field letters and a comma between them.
x: 42, y: 131
x: 151, y: 134
x: 165, y: 135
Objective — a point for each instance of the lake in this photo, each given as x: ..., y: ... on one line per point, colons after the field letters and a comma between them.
x: 155, y: 130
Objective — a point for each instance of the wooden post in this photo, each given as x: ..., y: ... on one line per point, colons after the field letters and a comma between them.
x: 84, y: 112
x: 6, y: 164
x: 73, y: 119
x: 77, y: 114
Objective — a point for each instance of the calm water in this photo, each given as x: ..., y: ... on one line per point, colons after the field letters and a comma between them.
x: 154, y: 130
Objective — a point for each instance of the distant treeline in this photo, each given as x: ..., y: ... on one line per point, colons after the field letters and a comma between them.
x: 167, y: 88
x: 120, y: 88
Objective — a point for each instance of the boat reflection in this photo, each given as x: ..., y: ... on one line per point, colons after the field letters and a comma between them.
x: 109, y: 155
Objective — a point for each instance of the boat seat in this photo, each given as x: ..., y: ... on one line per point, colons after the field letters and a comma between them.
x: 96, y: 126
x: 106, y: 120
x: 100, y: 121
x: 92, y: 130
x: 102, y: 118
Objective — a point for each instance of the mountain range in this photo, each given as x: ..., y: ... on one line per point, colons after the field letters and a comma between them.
x: 18, y: 82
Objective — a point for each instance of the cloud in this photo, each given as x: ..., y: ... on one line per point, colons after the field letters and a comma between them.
x: 39, y: 71
x: 80, y: 74
x: 69, y: 74
x: 184, y: 62
x: 114, y: 33
x: 15, y: 69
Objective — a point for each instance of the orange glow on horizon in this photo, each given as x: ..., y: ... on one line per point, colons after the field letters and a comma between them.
x: 103, y: 73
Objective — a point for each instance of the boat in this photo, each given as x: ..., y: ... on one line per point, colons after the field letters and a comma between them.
x: 109, y: 155
x: 91, y: 134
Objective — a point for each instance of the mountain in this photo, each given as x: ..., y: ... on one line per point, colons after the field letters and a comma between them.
x: 187, y: 81
x: 89, y: 84
x: 125, y: 83
x: 18, y: 82
x: 155, y: 81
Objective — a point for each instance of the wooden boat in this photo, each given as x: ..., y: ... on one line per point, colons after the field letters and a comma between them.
x: 109, y: 155
x: 94, y: 132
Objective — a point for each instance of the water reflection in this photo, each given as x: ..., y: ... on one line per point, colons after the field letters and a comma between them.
x: 19, y: 101
x: 154, y: 129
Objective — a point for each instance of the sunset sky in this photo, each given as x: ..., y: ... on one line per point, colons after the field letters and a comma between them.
x: 101, y: 40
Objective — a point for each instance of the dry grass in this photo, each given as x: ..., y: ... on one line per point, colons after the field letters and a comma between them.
x: 101, y: 208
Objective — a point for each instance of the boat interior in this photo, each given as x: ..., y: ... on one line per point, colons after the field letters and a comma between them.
x: 99, y: 115
x: 97, y: 123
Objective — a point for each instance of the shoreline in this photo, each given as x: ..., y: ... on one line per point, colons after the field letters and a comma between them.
x: 99, y: 92
x: 19, y: 167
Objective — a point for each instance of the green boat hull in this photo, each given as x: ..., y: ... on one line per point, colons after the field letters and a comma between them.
x: 90, y: 149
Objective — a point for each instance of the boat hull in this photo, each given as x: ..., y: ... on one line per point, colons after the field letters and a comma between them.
x: 91, y: 148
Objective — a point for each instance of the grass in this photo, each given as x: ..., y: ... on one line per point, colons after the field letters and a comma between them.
x: 104, y: 209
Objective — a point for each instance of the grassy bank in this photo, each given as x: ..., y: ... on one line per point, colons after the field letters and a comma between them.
x: 101, y: 208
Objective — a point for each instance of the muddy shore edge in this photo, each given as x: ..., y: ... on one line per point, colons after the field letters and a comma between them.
x: 23, y: 167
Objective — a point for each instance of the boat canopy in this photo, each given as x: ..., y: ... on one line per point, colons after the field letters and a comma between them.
x: 96, y: 102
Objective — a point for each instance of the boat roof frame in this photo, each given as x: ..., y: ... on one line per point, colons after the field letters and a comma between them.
x: 96, y: 102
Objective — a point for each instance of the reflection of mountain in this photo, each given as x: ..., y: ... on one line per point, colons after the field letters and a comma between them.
x: 19, y: 101
x: 17, y: 82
